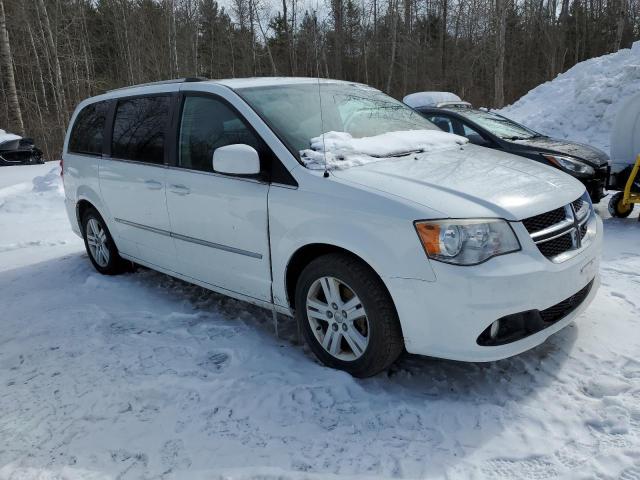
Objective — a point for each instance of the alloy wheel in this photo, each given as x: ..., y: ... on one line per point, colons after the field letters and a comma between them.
x: 337, y: 318
x: 97, y: 241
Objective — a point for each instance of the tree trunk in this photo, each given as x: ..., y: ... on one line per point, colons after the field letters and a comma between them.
x: 252, y: 45
x: 443, y: 39
x: 338, y: 9
x: 8, y: 78
x: 501, y: 18
x: 274, y: 70
x: 36, y: 57
x: 394, y: 44
x: 173, y: 34
x: 56, y: 63
x: 620, y: 10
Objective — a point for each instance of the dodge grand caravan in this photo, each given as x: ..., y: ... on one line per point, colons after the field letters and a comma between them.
x: 334, y: 203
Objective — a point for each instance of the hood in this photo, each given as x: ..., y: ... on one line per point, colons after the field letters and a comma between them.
x: 592, y: 155
x: 469, y: 182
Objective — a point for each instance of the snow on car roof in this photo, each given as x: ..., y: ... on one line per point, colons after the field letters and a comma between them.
x: 431, y: 99
x: 8, y: 137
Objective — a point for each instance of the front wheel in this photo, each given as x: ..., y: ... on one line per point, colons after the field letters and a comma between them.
x: 347, y: 316
x: 619, y: 209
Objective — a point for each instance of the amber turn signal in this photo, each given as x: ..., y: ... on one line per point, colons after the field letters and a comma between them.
x: 430, y: 237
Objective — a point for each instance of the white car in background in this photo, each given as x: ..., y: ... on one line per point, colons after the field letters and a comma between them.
x: 335, y: 203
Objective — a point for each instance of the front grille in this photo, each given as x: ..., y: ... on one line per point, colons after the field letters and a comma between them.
x: 565, y: 307
x: 544, y: 220
x: 557, y: 245
x: 562, y: 229
x: 577, y: 204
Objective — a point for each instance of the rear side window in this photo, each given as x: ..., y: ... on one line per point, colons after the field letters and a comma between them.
x: 88, y: 130
x: 208, y: 124
x: 139, y: 129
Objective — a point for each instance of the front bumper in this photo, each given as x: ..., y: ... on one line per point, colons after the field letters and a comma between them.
x: 445, y: 318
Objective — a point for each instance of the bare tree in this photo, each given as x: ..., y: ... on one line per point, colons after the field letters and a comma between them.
x: 57, y: 71
x: 501, y: 27
x: 8, y: 78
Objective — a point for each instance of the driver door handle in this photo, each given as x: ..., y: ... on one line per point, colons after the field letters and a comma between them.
x: 179, y: 189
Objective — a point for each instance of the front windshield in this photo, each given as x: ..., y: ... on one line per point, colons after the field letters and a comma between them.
x: 293, y: 111
x: 498, y: 125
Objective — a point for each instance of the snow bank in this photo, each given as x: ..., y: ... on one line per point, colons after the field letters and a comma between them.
x: 343, y: 151
x: 625, y: 136
x: 582, y: 103
x: 7, y: 137
x: 33, y: 221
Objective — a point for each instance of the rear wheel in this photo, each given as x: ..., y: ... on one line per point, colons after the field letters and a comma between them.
x: 619, y: 209
x: 100, y: 245
x: 347, y: 316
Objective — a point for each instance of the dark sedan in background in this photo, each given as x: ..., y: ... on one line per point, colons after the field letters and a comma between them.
x: 18, y: 151
x: 489, y: 129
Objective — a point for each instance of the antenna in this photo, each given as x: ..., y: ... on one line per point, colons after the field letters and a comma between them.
x: 315, y: 43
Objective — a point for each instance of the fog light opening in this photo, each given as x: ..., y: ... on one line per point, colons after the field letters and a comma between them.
x: 493, y: 331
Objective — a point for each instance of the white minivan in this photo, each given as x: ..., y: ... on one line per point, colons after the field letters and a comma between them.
x: 334, y: 203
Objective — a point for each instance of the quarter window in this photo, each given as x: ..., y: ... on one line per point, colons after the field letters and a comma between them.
x: 139, y: 129
x: 208, y: 124
x: 88, y: 130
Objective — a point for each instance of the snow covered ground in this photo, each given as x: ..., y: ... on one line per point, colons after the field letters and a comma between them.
x: 144, y: 376
x: 582, y: 103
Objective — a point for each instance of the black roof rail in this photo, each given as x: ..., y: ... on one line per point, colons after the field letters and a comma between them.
x: 162, y: 82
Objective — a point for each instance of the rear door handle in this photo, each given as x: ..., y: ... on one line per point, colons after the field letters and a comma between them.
x: 153, y: 184
x: 180, y: 189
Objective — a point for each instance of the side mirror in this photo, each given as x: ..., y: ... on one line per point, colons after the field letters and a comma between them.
x: 238, y: 159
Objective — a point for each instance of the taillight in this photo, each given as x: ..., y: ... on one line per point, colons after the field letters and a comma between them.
x: 61, y: 167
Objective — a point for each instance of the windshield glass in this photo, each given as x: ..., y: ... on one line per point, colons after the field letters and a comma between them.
x: 498, y: 125
x: 293, y: 111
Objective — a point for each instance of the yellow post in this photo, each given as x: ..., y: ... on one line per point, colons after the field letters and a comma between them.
x: 629, y: 197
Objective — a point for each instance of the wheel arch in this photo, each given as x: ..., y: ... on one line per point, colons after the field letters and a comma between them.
x: 82, y: 205
x: 305, y: 255
x: 85, y: 202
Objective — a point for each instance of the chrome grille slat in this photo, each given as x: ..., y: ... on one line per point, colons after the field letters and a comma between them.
x: 548, y: 239
x: 565, y: 224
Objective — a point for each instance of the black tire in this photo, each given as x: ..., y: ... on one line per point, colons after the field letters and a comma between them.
x: 385, y: 342
x: 115, y: 263
x: 616, y: 209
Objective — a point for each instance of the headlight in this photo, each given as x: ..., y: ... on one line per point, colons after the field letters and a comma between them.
x: 466, y: 242
x: 570, y: 163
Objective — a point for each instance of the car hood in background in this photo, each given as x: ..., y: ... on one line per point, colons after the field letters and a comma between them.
x: 579, y: 150
x: 470, y: 182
